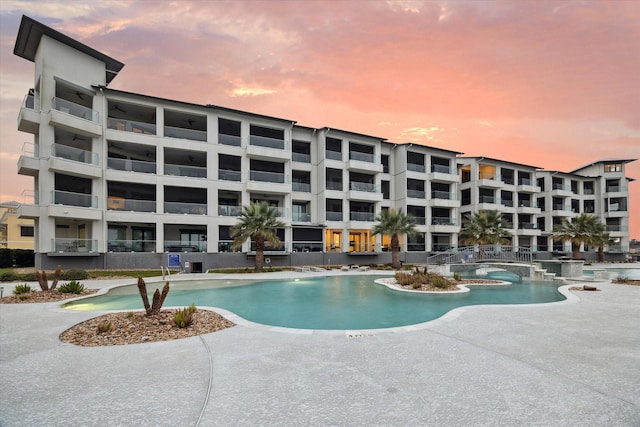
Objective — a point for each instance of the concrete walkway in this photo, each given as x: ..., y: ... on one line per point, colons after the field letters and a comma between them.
x: 572, y: 363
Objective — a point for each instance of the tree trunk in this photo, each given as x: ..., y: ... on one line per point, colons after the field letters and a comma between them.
x: 259, y: 252
x: 601, y: 254
x: 575, y: 248
x: 395, y: 253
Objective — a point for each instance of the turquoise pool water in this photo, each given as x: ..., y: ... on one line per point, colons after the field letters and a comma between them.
x: 336, y: 302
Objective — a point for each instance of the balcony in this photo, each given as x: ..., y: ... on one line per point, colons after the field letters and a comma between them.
x: 617, y: 228
x: 443, y: 221
x: 362, y: 216
x: 561, y: 210
x: 283, y: 248
x: 185, y: 208
x: 527, y: 186
x: 414, y: 167
x: 441, y: 173
x: 301, y: 157
x: 229, y: 175
x: 617, y: 249
x: 232, y: 140
x: 183, y: 170
x: 416, y: 194
x: 74, y: 246
x: 302, y: 187
x: 29, y: 116
x: 529, y: 229
x: 444, y: 199
x: 416, y: 247
x: 364, y: 191
x: 264, y: 141
x: 271, y: 177
x: 364, y: 162
x: 333, y: 216
x: 29, y: 162
x: 333, y: 155
x: 558, y: 189
x: 131, y: 245
x: 262, y: 147
x: 74, y: 199
x: 334, y: 185
x: 229, y: 210
x: 418, y: 220
x: 130, y: 205
x: 184, y: 133
x: 616, y: 189
x: 131, y: 165
x: 489, y: 181
x: 180, y: 246
x: 75, y: 118
x: 131, y: 126
x: 74, y: 154
x: 301, y: 217
x: 307, y: 247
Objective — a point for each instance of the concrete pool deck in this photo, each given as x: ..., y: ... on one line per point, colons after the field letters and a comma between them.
x: 568, y: 363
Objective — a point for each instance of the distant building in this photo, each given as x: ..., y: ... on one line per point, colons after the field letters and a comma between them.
x: 125, y: 180
x: 15, y: 232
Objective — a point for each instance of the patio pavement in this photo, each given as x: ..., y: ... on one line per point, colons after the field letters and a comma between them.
x: 571, y: 363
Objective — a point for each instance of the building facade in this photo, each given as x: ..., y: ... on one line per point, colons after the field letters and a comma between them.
x: 15, y: 232
x: 123, y: 180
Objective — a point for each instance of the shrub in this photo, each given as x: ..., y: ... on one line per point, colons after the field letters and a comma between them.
x: 72, y: 287
x: 184, y: 317
x: 23, y: 257
x: 8, y: 276
x: 74, y: 275
x: 23, y: 297
x: 422, y: 277
x: 29, y: 277
x: 456, y: 276
x: 130, y: 315
x: 104, y: 327
x: 22, y: 289
x: 6, y: 259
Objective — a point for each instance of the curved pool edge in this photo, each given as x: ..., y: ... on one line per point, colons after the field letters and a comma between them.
x: 462, y: 288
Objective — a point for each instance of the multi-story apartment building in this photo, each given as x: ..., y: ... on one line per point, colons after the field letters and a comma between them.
x: 15, y: 233
x: 123, y: 179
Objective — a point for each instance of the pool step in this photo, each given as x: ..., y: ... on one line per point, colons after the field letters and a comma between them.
x: 541, y: 274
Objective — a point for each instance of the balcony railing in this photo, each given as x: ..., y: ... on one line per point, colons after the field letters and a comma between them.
x: 29, y: 102
x: 301, y: 217
x: 364, y: 186
x: 268, y: 248
x: 362, y: 157
x: 334, y: 185
x: 131, y: 165
x: 131, y: 126
x: 180, y: 246
x: 560, y: 208
x: 416, y: 194
x: 185, y: 208
x: 333, y: 155
x: 418, y: 220
x: 415, y: 167
x: 615, y: 189
x: 489, y: 176
x: 442, y: 221
x: 74, y: 154
x: 362, y: 216
x: 74, y: 109
x: 528, y: 226
x: 132, y: 205
x: 301, y: 186
x: 193, y: 134
x: 588, y: 191
x: 446, y: 195
x: 131, y: 245
x: 525, y: 181
x: 229, y: 210
x: 416, y: 247
x: 562, y: 187
x: 74, y: 245
x: 74, y: 199
x: 616, y: 207
x: 307, y: 247
x: 29, y: 149
x: 273, y: 177
x: 441, y: 169
x: 487, y: 199
x: 264, y: 141
x: 183, y: 170
x: 617, y: 227
x: 281, y: 212
x: 617, y: 248
x: 301, y: 157
x: 527, y: 204
x: 541, y: 248
x: 506, y: 224
x: 506, y: 202
x: 334, y: 216
x: 233, y: 140
x: 229, y: 175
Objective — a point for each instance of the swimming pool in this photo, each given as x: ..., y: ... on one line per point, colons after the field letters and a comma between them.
x: 335, y: 302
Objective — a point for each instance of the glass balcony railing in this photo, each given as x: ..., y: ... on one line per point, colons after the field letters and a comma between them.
x: 441, y: 169
x: 561, y: 187
x: 229, y: 175
x: 183, y: 133
x: 281, y: 212
x: 131, y: 165
x: 273, y: 177
x: 301, y: 217
x: 445, y: 195
x: 263, y: 141
x: 415, y: 167
x: 131, y: 126
x: 185, y: 208
x: 334, y: 185
x: 416, y: 194
x: 301, y: 157
x: 301, y: 186
x: 307, y: 247
x: 506, y: 202
x: 131, y: 205
x: 362, y: 216
x: 74, y: 109
x: 29, y: 102
x: 74, y: 199
x: 615, y: 189
x: 183, y: 170
x: 74, y: 154
x: 419, y: 220
x: 268, y: 248
x: 74, y: 245
x: 334, y: 216
x: 362, y: 157
x: 416, y: 247
x: 184, y: 246
x: 489, y: 176
x: 528, y: 226
x: 131, y: 245
x: 559, y: 208
x: 333, y: 155
x: 364, y: 186
x: 232, y: 140
x: 443, y: 221
x: 525, y: 181
x: 229, y: 210
x: 487, y: 199
x: 527, y: 204
x: 616, y: 227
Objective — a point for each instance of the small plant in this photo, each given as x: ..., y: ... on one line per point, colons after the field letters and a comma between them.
x: 22, y: 289
x: 23, y: 297
x: 8, y: 276
x: 72, y: 287
x: 104, y: 327
x: 456, y: 276
x: 184, y: 317
x: 130, y: 315
x: 158, y: 299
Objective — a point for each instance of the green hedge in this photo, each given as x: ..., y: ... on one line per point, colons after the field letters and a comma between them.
x: 16, y: 257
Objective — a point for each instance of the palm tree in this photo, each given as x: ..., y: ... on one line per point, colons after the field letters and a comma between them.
x: 584, y: 228
x: 483, y: 228
x: 394, y: 222
x: 258, y: 222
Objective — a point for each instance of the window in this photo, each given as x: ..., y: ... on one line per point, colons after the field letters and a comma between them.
x: 26, y: 231
x: 613, y: 167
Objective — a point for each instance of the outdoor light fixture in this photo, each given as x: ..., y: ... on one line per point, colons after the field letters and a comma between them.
x: 1, y: 291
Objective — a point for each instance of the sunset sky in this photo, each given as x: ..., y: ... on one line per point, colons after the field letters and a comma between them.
x: 554, y: 84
